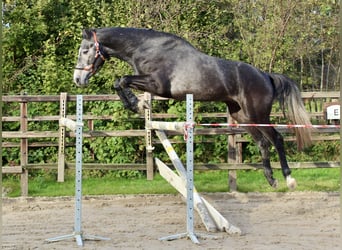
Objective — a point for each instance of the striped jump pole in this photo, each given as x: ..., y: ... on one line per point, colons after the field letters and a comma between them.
x: 236, y: 125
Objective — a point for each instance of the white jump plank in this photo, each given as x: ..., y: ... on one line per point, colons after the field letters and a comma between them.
x: 171, y: 153
x: 221, y: 222
x: 180, y: 184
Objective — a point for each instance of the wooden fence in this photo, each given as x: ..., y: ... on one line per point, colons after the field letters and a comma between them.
x: 316, y: 102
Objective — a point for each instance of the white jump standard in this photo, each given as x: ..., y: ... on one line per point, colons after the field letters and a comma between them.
x: 78, y: 128
x: 183, y: 182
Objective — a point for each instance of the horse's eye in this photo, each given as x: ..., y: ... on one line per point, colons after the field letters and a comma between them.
x: 85, y: 51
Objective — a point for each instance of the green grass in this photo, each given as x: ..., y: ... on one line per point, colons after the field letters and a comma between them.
x: 307, y: 180
x: 205, y: 181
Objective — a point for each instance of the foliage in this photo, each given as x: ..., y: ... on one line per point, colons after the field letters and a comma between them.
x: 320, y: 151
x: 41, y: 39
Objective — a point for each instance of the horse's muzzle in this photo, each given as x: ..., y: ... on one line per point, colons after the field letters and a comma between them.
x: 81, y: 78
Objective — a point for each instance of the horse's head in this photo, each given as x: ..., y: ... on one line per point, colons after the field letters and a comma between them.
x: 90, y: 58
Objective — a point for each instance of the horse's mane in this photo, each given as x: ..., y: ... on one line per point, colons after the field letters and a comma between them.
x: 144, y: 34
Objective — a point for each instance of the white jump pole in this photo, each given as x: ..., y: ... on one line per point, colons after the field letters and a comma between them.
x: 190, y: 168
x: 78, y: 128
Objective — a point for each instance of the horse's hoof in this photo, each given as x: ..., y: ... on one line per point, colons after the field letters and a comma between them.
x: 142, y: 105
x: 275, y: 184
x: 291, y: 182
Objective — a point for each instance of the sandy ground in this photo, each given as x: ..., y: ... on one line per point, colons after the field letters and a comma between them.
x: 295, y: 220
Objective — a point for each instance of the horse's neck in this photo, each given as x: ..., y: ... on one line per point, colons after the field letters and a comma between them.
x: 119, y: 43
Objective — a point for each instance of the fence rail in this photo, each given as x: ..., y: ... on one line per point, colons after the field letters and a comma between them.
x: 317, y: 100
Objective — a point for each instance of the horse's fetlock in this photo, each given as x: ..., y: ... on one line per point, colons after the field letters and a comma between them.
x: 286, y: 172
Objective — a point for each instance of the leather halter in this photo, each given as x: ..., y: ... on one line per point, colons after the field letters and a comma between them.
x: 98, y: 54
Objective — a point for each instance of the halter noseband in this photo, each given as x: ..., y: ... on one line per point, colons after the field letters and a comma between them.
x: 98, y: 54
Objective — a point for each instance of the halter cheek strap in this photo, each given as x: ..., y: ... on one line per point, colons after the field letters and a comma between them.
x: 97, y: 46
x: 98, y: 54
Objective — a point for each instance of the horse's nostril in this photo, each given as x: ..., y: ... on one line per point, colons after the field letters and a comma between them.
x: 77, y: 80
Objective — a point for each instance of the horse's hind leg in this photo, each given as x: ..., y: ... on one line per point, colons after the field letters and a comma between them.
x: 264, y: 145
x: 263, y: 136
x: 277, y: 140
x: 262, y: 142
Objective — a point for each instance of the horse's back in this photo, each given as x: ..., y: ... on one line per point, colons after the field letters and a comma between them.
x: 215, y: 79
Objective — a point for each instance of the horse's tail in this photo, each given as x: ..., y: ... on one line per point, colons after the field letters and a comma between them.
x: 289, y: 95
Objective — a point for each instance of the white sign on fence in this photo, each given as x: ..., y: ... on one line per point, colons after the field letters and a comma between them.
x: 333, y: 112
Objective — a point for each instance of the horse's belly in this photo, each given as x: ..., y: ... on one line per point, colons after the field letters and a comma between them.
x: 200, y: 93
x: 201, y: 77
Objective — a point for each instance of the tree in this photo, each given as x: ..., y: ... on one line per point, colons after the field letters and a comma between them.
x: 297, y: 38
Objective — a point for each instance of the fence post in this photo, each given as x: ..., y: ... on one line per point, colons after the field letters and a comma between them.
x: 23, y: 149
x: 148, y: 136
x: 232, y: 157
x: 61, y: 139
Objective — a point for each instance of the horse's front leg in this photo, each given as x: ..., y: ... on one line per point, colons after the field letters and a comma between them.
x: 129, y: 100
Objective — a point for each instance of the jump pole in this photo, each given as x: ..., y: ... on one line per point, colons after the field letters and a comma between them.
x: 78, y: 128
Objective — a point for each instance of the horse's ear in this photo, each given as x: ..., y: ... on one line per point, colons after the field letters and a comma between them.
x: 87, y: 34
